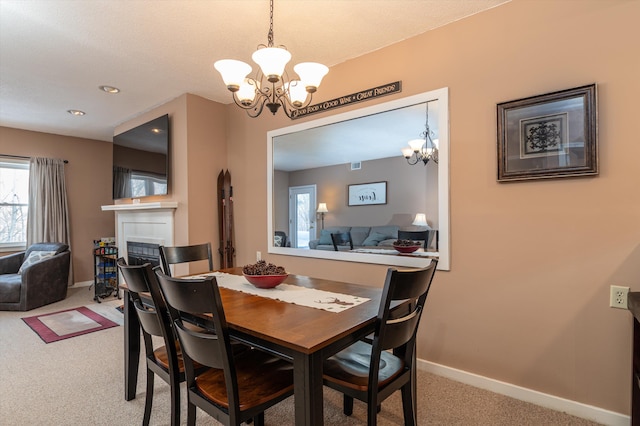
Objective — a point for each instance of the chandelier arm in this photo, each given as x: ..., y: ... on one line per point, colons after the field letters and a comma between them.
x: 415, y: 156
x: 257, y: 105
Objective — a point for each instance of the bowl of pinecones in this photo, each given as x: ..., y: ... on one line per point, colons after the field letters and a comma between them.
x: 264, y: 275
x: 406, y: 246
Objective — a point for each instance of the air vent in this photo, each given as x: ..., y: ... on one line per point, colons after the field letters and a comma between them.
x: 356, y: 166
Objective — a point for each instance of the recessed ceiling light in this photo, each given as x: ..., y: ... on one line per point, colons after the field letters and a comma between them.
x: 110, y: 89
x: 76, y: 112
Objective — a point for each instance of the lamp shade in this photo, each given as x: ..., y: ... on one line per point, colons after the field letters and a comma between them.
x: 297, y: 92
x: 416, y: 144
x: 322, y: 208
x: 272, y: 61
x: 420, y: 220
x: 311, y: 74
x: 233, y: 72
x: 407, y: 152
x: 247, y: 92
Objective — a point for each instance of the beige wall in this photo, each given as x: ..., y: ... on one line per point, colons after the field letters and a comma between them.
x: 526, y: 300
x: 88, y: 181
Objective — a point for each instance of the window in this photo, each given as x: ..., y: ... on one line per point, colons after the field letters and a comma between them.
x: 143, y: 184
x: 14, y: 203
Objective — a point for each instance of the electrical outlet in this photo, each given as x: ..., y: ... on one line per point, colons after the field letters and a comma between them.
x: 618, y: 297
x: 258, y: 256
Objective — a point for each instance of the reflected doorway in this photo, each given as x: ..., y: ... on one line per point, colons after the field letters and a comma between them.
x: 302, y: 218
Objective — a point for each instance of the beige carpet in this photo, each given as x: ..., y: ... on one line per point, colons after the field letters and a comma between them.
x: 79, y: 381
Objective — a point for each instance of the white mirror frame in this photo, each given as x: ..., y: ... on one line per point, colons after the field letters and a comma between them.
x: 442, y: 96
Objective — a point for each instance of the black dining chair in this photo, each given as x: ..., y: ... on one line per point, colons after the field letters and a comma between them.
x: 238, y: 387
x: 165, y: 361
x: 425, y: 236
x: 184, y: 254
x: 342, y: 240
x: 350, y: 371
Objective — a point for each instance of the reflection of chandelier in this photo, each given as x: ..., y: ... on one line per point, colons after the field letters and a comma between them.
x: 423, y: 149
x: 252, y: 94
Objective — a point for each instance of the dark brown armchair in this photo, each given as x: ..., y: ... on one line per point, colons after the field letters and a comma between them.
x: 37, y: 284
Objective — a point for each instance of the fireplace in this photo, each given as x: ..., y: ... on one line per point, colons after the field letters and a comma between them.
x: 147, y: 226
x: 139, y: 253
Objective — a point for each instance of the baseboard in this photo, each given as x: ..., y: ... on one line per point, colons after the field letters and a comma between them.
x: 83, y: 284
x: 574, y: 408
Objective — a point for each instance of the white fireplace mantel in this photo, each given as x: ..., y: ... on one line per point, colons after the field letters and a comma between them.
x: 141, y: 206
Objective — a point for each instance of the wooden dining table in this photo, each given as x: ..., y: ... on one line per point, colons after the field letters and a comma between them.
x: 304, y: 335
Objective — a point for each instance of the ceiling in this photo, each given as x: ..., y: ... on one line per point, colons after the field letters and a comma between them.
x: 371, y: 137
x: 54, y: 54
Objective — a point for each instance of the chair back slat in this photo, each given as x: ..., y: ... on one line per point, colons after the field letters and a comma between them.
x: 409, y: 284
x: 203, y: 348
x: 148, y: 318
x: 399, y: 331
x: 183, y: 254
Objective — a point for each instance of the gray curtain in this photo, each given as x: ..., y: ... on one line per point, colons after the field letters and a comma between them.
x: 121, y: 182
x: 48, y: 217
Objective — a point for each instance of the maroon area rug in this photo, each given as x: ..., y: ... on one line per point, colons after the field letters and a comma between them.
x: 61, y: 325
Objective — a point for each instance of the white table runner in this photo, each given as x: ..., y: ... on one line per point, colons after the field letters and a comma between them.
x: 310, y: 297
x: 394, y: 252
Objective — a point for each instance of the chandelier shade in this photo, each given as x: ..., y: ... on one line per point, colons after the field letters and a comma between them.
x: 272, y: 61
x: 233, y: 72
x: 311, y: 74
x: 271, y: 86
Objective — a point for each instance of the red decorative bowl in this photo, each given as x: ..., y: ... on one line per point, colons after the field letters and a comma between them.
x: 266, y: 281
x: 406, y: 249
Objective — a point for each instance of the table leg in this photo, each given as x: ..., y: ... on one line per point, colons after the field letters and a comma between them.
x: 307, y: 382
x: 131, y: 348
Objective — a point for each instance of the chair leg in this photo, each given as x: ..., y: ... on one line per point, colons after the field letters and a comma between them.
x: 148, y: 401
x: 259, y: 419
x: 372, y: 414
x: 348, y: 405
x: 191, y: 414
x: 175, y: 400
x: 407, y: 405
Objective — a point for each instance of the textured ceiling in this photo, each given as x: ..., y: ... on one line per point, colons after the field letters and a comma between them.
x: 55, y: 53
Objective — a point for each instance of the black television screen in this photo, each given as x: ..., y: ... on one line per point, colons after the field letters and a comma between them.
x: 141, y: 160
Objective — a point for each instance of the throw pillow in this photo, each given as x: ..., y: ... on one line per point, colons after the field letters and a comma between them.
x: 325, y: 238
x: 35, y: 257
x: 277, y: 241
x: 374, y: 239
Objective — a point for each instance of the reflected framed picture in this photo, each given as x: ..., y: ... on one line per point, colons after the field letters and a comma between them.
x: 548, y: 136
x: 365, y: 194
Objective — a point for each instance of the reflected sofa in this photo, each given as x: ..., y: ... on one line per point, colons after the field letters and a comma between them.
x: 35, y: 277
x: 362, y: 236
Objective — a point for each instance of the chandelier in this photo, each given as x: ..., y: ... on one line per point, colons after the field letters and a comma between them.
x: 271, y: 86
x: 423, y: 149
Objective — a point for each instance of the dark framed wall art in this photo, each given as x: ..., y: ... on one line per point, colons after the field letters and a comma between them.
x: 549, y: 136
x: 365, y: 194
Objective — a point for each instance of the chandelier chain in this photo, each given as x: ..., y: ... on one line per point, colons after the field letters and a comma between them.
x: 270, y: 35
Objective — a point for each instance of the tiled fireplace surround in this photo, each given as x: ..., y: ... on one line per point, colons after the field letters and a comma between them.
x: 151, y: 223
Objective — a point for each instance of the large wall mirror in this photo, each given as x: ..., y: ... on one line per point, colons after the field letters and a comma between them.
x: 346, y: 172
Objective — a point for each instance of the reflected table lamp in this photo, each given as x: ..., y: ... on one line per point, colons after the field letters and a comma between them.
x: 322, y: 209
